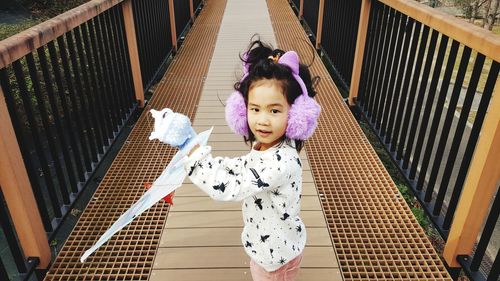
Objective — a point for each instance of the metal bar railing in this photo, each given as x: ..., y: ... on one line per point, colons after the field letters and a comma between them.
x: 90, y: 89
x: 418, y: 85
x: 67, y: 87
x: 153, y: 29
x: 425, y: 82
x: 27, y: 94
x: 58, y: 120
x: 8, y: 234
x: 197, y: 6
x: 310, y: 14
x: 296, y: 6
x: 336, y: 32
x: 182, y: 16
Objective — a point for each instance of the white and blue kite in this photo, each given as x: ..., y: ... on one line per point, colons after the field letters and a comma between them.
x: 173, y: 129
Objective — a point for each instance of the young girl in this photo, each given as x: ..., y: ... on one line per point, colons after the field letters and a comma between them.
x: 273, y: 109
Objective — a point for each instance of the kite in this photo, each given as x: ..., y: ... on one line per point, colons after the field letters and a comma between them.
x: 173, y: 129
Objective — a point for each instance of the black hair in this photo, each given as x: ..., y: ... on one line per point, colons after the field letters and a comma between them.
x: 260, y: 66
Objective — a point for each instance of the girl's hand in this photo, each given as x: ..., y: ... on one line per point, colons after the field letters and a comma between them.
x: 171, y: 128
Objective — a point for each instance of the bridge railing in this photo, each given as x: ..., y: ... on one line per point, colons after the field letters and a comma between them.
x: 427, y: 83
x: 68, y: 86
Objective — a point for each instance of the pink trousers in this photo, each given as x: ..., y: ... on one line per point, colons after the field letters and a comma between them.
x: 288, y: 272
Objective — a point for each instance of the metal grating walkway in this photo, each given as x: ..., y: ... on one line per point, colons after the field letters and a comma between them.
x: 374, y: 234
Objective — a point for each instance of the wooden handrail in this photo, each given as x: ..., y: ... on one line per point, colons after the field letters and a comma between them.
x: 23, y: 43
x: 477, y: 38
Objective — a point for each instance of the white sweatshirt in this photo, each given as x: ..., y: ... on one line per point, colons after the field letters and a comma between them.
x: 270, y: 184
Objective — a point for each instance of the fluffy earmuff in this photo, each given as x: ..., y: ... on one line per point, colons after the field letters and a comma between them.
x: 236, y: 114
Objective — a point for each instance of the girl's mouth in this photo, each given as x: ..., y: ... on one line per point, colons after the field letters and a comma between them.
x: 263, y: 133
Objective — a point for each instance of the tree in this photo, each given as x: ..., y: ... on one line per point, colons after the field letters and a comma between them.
x: 470, y: 8
x: 493, y: 12
x: 486, y: 12
x: 42, y: 3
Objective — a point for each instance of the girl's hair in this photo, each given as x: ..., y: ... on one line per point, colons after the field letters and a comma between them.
x: 260, y: 66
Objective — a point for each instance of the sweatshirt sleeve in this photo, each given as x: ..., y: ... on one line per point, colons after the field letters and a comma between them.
x: 229, y: 179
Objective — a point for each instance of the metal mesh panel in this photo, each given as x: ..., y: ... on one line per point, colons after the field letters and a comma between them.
x: 129, y: 255
x: 374, y: 232
x: 311, y: 11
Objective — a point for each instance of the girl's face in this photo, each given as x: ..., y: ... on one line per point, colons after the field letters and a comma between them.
x: 267, y: 112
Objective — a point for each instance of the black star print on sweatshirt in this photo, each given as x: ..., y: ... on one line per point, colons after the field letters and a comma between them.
x: 270, y: 184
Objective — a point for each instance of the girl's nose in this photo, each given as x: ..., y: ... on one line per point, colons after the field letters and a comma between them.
x: 263, y: 120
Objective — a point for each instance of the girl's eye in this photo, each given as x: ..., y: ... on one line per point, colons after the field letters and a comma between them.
x: 254, y: 109
x: 275, y: 111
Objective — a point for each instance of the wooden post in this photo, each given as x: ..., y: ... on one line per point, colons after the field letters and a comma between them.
x: 128, y: 17
x: 191, y: 11
x: 364, y: 18
x: 301, y: 9
x: 18, y: 193
x: 319, y: 28
x: 173, y: 31
x: 480, y: 186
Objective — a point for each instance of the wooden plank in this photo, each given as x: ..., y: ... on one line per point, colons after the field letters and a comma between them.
x: 210, y: 121
x: 204, y: 219
x: 201, y: 237
x: 229, y: 137
x: 236, y: 146
x: 232, y: 257
x: 240, y: 274
x: 204, y: 203
x: 229, y: 219
x: 228, y: 236
x: 209, y: 103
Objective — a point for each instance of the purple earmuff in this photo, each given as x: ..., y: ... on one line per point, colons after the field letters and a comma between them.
x: 236, y: 114
x: 303, y: 114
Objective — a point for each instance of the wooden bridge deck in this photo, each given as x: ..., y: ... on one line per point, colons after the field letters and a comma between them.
x: 359, y: 228
x: 202, y: 237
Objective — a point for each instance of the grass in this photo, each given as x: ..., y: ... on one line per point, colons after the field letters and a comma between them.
x: 496, y: 29
x: 7, y: 30
x: 39, y: 14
